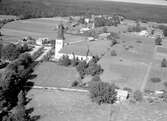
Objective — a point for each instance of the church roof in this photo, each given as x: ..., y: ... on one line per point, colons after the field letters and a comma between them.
x: 85, y: 47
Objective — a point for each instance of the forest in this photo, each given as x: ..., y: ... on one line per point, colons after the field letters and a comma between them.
x: 49, y: 8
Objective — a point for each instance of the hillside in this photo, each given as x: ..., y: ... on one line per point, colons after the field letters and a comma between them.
x: 49, y: 8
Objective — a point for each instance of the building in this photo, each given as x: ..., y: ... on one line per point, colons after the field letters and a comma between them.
x: 71, y: 50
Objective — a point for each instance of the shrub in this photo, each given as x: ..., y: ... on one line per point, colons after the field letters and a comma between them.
x: 102, y: 92
x: 155, y: 79
x: 96, y: 78
x: 158, y: 41
x: 81, y: 68
x: 10, y: 52
x: 113, y: 53
x: 94, y: 69
x: 75, y: 83
x: 138, y: 96
x: 65, y: 61
x: 164, y: 63
x: 165, y: 32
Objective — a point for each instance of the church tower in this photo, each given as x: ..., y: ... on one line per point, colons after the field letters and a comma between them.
x: 59, y: 41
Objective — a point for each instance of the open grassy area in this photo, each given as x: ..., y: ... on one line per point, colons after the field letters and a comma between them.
x: 53, y: 75
x: 122, y: 72
x: 141, y: 112
x: 66, y: 106
x: 157, y: 71
x: 63, y: 106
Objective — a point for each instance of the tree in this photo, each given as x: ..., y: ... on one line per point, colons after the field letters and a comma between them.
x: 25, y: 59
x: 138, y: 96
x: 164, y: 63
x: 158, y: 41
x: 10, y: 52
x: 96, y: 78
x: 94, y: 69
x: 102, y: 92
x: 81, y: 68
x: 65, y: 61
x: 165, y: 32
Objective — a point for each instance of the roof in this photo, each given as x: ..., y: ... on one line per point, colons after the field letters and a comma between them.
x: 82, y: 48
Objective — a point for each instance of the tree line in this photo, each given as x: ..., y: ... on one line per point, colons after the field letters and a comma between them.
x: 33, y: 9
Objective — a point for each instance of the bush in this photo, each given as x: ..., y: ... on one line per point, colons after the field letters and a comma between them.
x: 96, y: 78
x: 102, y: 92
x: 94, y: 69
x: 164, y: 63
x: 113, y: 53
x: 165, y: 32
x: 138, y: 96
x: 65, y: 61
x: 158, y: 41
x: 155, y: 79
x: 81, y: 68
x: 75, y: 83
x: 10, y: 52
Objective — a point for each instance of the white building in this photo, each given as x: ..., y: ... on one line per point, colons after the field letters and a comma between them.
x: 72, y: 50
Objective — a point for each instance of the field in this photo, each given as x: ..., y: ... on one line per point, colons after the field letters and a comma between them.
x: 63, y: 106
x: 129, y: 67
x: 53, y: 75
x: 36, y: 28
x: 66, y: 106
x: 157, y: 72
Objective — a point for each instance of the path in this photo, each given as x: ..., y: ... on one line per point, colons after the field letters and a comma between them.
x: 146, y: 78
x: 59, y: 89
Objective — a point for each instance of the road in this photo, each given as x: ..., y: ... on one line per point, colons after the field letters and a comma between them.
x: 146, y: 78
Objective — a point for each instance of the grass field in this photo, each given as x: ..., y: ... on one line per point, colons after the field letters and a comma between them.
x: 69, y: 106
x: 53, y: 75
x: 124, y: 73
x: 157, y: 71
x: 66, y: 106
x: 36, y: 28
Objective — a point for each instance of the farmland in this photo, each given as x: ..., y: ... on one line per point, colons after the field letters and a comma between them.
x: 52, y: 75
x: 64, y: 106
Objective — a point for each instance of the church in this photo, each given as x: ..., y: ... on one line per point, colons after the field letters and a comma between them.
x: 78, y: 49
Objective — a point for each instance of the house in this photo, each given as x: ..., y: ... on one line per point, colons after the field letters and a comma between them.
x: 122, y: 95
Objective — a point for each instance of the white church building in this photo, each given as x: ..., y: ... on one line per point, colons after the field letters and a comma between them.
x: 71, y: 50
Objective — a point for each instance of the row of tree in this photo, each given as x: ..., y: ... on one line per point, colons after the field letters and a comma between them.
x: 12, y: 51
x: 83, y: 68
x: 12, y: 91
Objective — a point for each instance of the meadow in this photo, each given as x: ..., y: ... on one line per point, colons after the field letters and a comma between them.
x: 50, y: 74
x: 73, y: 106
x: 63, y: 106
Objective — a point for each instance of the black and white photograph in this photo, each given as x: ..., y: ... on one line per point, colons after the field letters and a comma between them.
x: 83, y: 60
